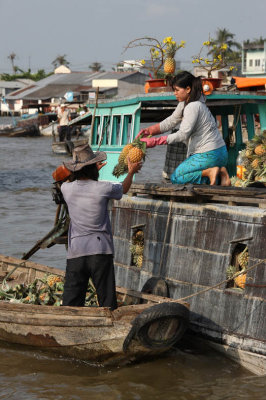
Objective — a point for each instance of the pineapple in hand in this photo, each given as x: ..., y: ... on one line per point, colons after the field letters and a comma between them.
x: 134, y: 152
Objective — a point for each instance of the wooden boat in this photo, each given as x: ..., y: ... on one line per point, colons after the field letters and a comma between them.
x: 66, y: 147
x: 144, y: 325
x: 20, y: 131
x: 193, y: 234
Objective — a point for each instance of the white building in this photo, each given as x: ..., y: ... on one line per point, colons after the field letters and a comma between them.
x: 254, y: 60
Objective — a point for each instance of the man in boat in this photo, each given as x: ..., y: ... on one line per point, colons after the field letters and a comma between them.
x: 63, y: 120
x: 90, y: 241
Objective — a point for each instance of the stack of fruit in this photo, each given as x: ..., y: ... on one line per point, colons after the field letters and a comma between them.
x: 134, y: 152
x: 242, y: 260
x: 137, y: 248
x: 46, y: 291
x: 254, y: 162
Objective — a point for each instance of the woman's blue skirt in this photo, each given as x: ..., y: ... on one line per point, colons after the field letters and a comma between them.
x: 190, y: 170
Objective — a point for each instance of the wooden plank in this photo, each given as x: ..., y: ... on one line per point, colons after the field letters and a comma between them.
x: 53, y: 310
x: 38, y: 319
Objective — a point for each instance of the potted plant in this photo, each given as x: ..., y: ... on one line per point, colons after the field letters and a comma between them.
x: 162, y: 63
x: 214, y: 60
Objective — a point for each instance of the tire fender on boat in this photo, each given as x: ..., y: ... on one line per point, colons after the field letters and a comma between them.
x: 157, y: 286
x: 159, y: 326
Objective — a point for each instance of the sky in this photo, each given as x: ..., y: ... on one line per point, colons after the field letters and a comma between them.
x: 88, y: 31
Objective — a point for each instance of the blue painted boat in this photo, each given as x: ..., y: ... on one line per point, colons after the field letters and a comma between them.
x: 117, y: 122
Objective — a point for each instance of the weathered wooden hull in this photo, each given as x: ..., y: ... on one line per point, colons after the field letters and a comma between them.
x: 63, y: 147
x: 95, y: 334
x: 191, y: 246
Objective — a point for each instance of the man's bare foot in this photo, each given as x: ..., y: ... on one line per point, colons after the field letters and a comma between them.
x: 212, y: 174
x: 225, y: 180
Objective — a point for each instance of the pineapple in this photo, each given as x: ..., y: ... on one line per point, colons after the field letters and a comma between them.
x: 254, y: 160
x: 240, y: 281
x: 259, y: 150
x: 135, y: 151
x: 169, y: 64
x: 255, y: 163
x: 243, y: 258
x: 52, y: 280
x: 135, y: 155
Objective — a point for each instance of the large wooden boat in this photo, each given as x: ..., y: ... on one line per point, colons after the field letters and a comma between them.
x: 142, y: 325
x: 193, y: 234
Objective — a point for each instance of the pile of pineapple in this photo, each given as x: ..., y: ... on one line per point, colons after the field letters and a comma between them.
x: 137, y: 248
x: 46, y: 291
x: 254, y: 162
x: 134, y: 151
x: 240, y: 280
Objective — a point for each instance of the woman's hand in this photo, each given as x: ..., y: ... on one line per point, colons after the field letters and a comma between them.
x: 143, y: 133
x: 100, y: 164
x: 152, y: 142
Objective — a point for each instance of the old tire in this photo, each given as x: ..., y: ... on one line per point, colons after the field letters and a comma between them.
x: 159, y: 326
x: 156, y: 286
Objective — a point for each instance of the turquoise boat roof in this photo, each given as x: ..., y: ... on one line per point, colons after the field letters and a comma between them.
x: 168, y: 97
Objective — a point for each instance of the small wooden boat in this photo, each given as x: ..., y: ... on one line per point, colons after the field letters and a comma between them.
x: 20, y: 131
x: 66, y: 148
x: 145, y: 325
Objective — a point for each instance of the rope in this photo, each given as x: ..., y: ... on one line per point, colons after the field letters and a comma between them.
x: 244, y: 271
x: 165, y: 235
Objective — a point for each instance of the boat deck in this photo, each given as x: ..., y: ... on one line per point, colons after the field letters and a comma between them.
x: 249, y: 196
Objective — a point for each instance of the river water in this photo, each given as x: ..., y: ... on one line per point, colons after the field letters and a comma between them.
x: 192, y: 371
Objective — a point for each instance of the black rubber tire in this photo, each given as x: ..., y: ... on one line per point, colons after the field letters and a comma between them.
x: 160, y: 313
x: 156, y: 286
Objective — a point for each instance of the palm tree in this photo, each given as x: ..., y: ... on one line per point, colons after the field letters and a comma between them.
x: 12, y: 57
x: 223, y: 36
x: 60, y: 60
x: 96, y: 67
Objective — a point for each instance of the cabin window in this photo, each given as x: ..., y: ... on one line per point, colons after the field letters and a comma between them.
x: 239, y: 262
x: 137, y: 247
x: 126, y: 134
x: 115, y: 133
x: 251, y: 63
x: 96, y: 131
x: 257, y: 63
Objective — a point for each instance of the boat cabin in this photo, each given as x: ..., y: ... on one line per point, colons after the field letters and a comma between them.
x: 113, y: 124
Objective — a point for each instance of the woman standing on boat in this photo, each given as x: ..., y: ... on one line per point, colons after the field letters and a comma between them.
x: 207, y: 155
x: 90, y: 242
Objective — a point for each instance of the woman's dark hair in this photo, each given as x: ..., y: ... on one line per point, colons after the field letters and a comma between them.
x: 185, y: 79
x: 87, y: 172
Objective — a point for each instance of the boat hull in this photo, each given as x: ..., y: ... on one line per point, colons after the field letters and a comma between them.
x: 190, y: 246
x: 94, y: 334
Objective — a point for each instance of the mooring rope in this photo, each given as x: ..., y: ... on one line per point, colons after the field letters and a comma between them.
x: 225, y: 281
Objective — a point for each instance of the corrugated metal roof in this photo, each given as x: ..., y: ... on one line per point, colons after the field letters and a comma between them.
x: 57, y: 85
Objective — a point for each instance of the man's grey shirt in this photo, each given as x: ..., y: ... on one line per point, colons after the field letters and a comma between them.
x: 90, y: 229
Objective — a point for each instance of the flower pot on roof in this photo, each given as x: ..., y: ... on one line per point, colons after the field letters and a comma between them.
x: 214, y: 60
x: 161, y: 64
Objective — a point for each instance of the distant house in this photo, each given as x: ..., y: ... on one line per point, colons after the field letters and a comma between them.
x: 254, y: 59
x: 120, y: 84
x: 224, y: 73
x: 53, y: 89
x: 7, y: 87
